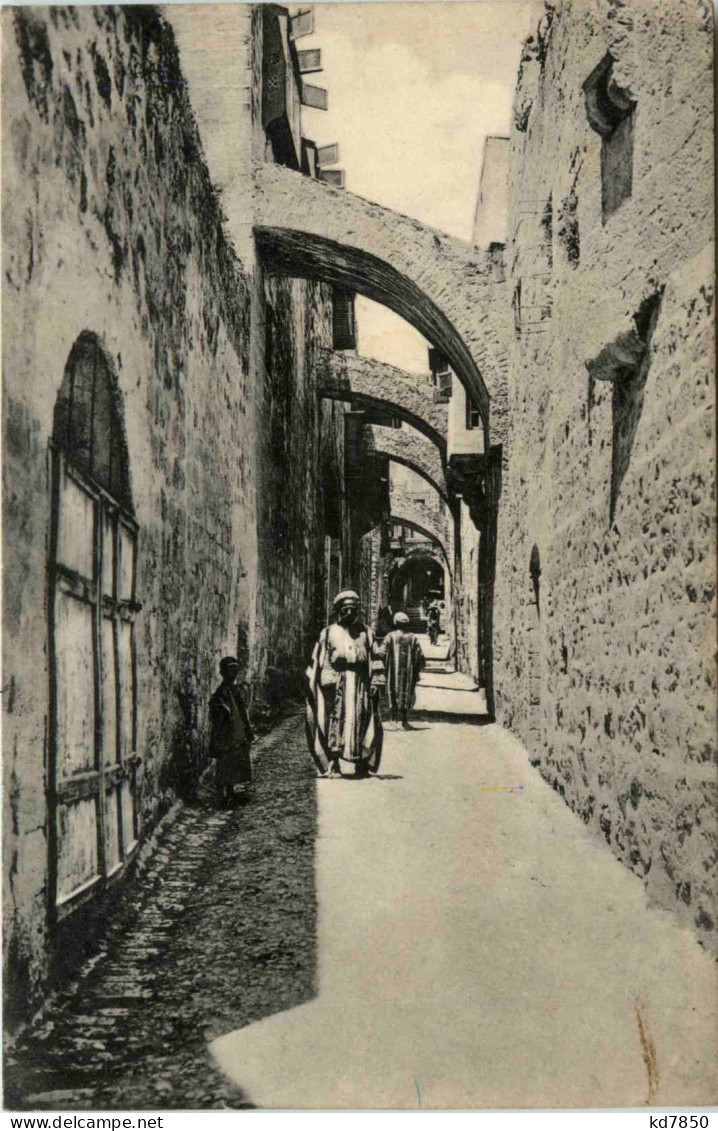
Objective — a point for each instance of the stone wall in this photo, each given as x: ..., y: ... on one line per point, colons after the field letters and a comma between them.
x: 604, y: 659
x: 111, y: 225
x: 466, y: 592
x: 289, y: 485
x: 370, y: 588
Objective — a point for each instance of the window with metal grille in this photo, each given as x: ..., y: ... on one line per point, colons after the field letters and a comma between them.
x: 93, y: 686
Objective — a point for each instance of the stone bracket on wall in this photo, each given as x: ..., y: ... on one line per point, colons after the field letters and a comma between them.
x: 476, y: 479
x: 466, y: 478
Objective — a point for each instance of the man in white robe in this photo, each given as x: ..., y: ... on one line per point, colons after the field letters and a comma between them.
x: 343, y: 722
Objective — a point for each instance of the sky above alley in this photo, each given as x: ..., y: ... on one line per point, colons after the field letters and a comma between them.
x: 414, y: 88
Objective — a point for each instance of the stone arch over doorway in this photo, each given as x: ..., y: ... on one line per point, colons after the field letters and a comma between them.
x: 416, y: 579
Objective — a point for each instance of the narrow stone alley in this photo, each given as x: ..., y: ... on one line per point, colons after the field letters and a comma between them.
x: 265, y: 360
x: 450, y: 964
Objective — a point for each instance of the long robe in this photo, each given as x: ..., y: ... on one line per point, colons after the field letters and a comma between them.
x: 230, y: 737
x: 403, y: 661
x: 342, y: 719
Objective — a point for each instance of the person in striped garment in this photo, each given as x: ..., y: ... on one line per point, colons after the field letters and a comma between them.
x: 343, y: 723
x: 403, y: 661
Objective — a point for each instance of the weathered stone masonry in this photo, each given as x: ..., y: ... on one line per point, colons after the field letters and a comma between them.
x: 610, y: 469
x: 111, y: 226
x: 587, y: 351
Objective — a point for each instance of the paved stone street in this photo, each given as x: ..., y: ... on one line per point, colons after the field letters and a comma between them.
x: 479, y: 947
x: 476, y: 946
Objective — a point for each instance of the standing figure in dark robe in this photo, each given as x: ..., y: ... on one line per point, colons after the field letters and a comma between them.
x: 434, y: 619
x: 343, y: 721
x: 231, y: 735
x: 403, y: 661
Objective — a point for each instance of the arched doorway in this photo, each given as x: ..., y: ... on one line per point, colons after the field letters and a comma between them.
x: 93, y: 817
x: 418, y: 580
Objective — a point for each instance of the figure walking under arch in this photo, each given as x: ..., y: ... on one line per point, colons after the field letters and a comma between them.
x: 404, y: 661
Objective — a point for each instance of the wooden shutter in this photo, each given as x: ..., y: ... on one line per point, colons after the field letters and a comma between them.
x: 315, y: 97
x: 310, y: 61
x: 333, y: 177
x: 309, y: 158
x: 617, y: 166
x: 328, y: 154
x: 302, y: 24
x: 343, y: 320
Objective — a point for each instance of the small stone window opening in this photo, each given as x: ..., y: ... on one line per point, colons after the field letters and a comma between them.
x: 568, y: 230
x: 93, y: 819
x: 610, y: 110
x: 535, y: 575
x: 441, y: 375
x: 473, y: 416
x: 516, y: 304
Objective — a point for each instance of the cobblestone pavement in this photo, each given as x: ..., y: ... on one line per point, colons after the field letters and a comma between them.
x: 219, y: 931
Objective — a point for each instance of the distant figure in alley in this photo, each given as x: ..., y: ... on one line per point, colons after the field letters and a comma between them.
x: 231, y: 735
x: 404, y: 661
x: 433, y: 616
x: 343, y: 721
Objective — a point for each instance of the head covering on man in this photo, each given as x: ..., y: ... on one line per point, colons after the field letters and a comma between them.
x: 346, y: 597
x: 400, y: 618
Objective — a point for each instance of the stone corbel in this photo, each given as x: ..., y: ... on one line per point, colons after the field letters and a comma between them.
x: 624, y: 352
x: 465, y: 477
x: 607, y: 103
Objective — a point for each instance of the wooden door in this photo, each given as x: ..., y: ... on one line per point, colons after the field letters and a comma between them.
x: 93, y: 756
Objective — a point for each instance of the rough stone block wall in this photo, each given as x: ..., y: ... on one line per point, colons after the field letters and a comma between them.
x: 370, y: 581
x: 466, y: 590
x: 290, y: 488
x: 111, y: 225
x: 606, y: 666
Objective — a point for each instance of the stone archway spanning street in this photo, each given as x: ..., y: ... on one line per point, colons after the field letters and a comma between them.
x: 410, y: 449
x: 431, y: 531
x: 367, y: 382
x: 453, y: 294
x: 446, y: 289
